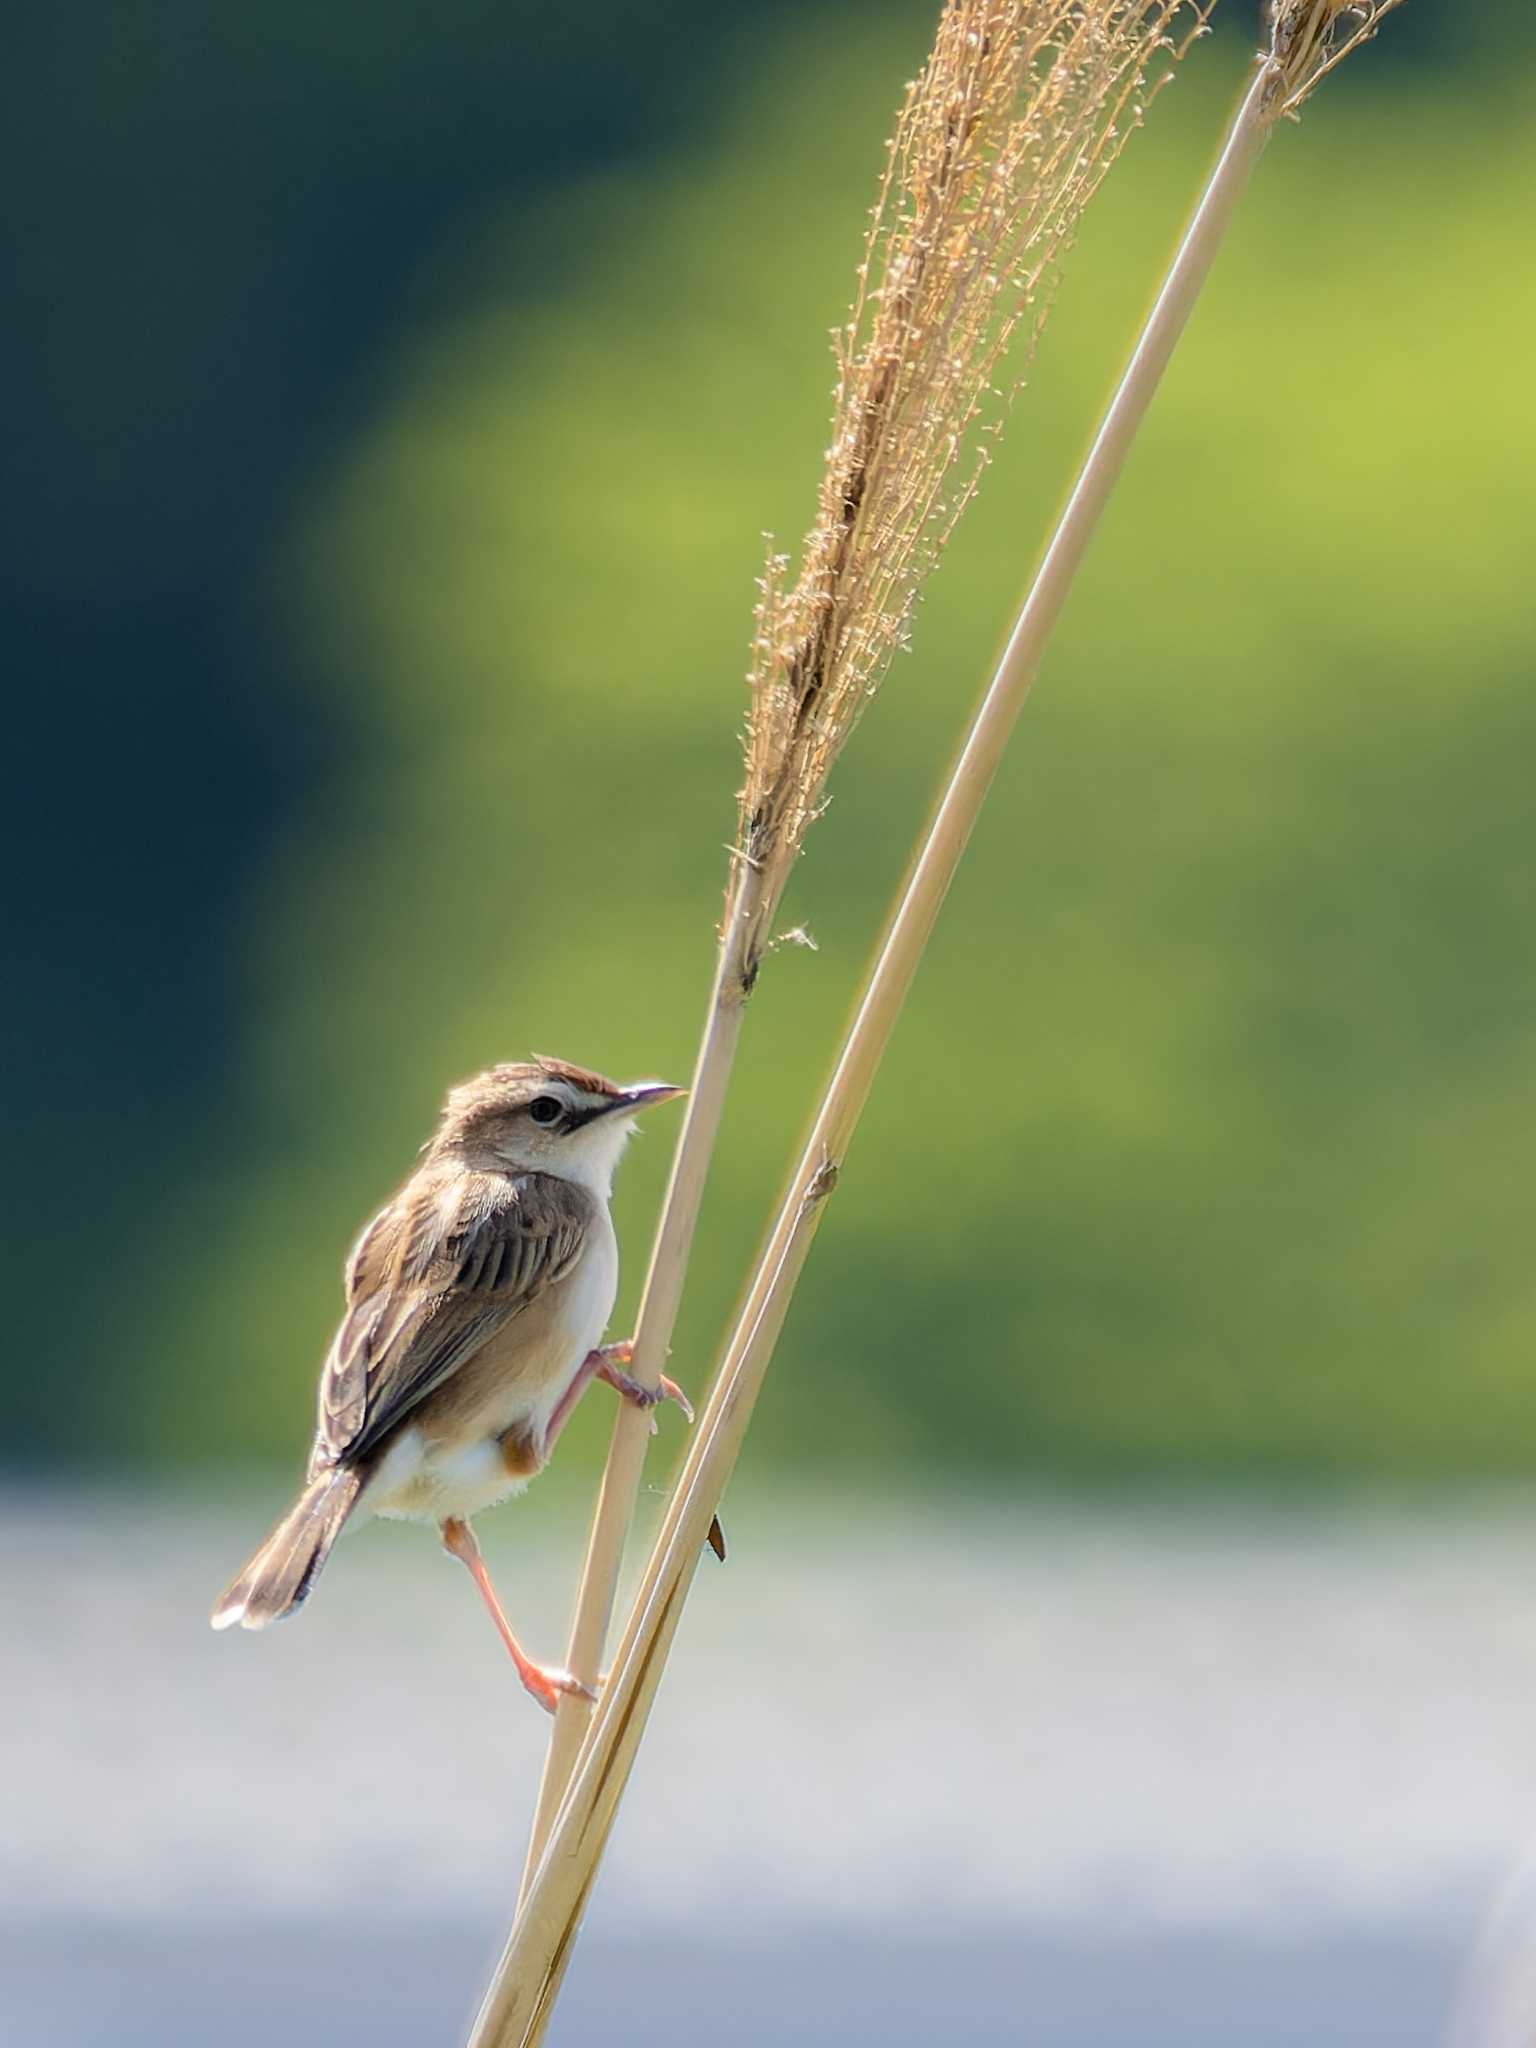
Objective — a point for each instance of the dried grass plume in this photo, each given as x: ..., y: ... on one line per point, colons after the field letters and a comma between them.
x: 1310, y: 38
x: 1001, y: 142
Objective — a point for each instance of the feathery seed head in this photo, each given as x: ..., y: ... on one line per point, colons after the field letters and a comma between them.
x: 1308, y: 38
x: 1001, y: 142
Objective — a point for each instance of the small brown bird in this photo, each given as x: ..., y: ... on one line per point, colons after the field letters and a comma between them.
x: 475, y: 1306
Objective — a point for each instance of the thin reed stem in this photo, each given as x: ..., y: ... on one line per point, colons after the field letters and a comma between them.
x: 521, y: 1997
x: 620, y: 1487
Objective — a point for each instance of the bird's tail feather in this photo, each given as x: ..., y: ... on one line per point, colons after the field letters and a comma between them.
x: 279, y: 1576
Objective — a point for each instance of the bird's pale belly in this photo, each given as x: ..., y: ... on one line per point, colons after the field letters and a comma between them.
x: 479, y: 1437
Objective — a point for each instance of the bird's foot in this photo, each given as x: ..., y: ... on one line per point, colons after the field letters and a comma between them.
x: 548, y: 1684
x: 612, y: 1360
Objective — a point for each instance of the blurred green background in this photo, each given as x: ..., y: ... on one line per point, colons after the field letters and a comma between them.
x: 393, y: 403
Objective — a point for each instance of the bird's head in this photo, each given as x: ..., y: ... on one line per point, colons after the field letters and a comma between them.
x: 546, y: 1116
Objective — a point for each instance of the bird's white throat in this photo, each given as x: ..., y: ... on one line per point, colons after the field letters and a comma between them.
x: 590, y: 1156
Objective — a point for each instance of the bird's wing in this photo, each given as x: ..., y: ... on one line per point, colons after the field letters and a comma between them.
x: 431, y: 1280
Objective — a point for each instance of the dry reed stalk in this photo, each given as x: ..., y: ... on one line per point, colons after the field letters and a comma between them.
x: 1018, y: 114
x: 1308, y: 38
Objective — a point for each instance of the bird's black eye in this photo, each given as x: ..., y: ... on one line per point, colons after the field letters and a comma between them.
x: 545, y: 1109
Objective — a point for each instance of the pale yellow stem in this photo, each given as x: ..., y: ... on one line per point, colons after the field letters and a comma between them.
x: 620, y: 1487
x: 522, y: 1994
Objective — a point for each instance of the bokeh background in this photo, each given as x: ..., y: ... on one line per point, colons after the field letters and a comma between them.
x: 393, y: 402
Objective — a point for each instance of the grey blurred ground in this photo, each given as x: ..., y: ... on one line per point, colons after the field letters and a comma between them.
x: 1055, y: 1773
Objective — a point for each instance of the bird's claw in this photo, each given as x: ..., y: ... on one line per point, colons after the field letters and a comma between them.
x: 649, y: 1399
x: 550, y: 1685
x: 615, y: 1358
x: 669, y: 1390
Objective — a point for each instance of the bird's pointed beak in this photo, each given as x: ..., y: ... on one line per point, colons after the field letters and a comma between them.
x: 642, y: 1094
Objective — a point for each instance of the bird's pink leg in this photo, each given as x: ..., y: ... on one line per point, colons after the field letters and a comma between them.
x: 545, y: 1683
x: 607, y: 1364
x: 560, y: 1414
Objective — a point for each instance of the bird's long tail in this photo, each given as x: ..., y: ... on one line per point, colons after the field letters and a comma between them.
x: 279, y: 1576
